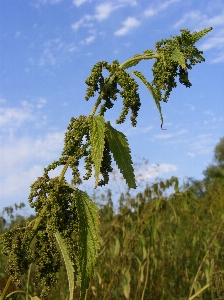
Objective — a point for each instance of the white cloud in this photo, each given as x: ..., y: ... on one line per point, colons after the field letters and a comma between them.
x: 154, y: 171
x: 218, y: 59
x: 166, y: 4
x: 199, y: 20
x: 19, y: 183
x: 47, y: 58
x: 71, y: 48
x: 83, y: 22
x: 128, y: 24
x: 157, y: 7
x: 41, y: 102
x: 150, y: 12
x: 54, y: 52
x: 209, y: 112
x: 191, y: 154
x: 18, y: 151
x: 18, y: 160
x: 12, y: 118
x: 55, y: 1
x: 2, y: 100
x: 217, y: 20
x: 104, y: 10
x: 23, y: 158
x: 49, y: 1
x: 190, y: 106
x: 164, y: 136
x: 203, y: 144
x: 137, y: 130
x: 130, y: 2
x: 79, y: 2
x: 88, y: 40
x: 216, y: 41
x: 190, y: 17
x: 15, y: 116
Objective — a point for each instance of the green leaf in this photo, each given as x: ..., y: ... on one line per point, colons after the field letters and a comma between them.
x: 97, y: 132
x: 126, y: 284
x: 154, y: 226
x: 88, y: 238
x: 152, y: 90
x: 121, y: 153
x: 68, y: 263
x: 142, y: 273
x: 179, y: 57
x: 117, y: 247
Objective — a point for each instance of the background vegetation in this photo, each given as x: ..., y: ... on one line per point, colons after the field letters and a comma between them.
x: 166, y: 242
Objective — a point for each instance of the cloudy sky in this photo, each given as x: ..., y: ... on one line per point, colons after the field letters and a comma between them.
x: 48, y: 48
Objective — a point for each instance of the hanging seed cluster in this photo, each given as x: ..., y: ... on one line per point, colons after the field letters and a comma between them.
x: 165, y: 70
x: 76, y: 146
x: 60, y: 215
x: 16, y: 247
x: 108, y: 88
x: 106, y: 167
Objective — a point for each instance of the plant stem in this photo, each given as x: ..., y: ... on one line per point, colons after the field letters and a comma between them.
x: 140, y: 57
x: 147, y: 275
x: 199, y: 292
x: 101, y: 96
x: 96, y: 104
x: 27, y: 283
x: 109, y: 287
x: 3, y: 295
x: 206, y: 254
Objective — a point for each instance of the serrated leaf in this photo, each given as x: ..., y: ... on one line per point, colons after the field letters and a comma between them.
x: 88, y: 238
x: 152, y: 90
x: 121, y: 152
x: 68, y: 263
x: 97, y: 132
x: 179, y: 57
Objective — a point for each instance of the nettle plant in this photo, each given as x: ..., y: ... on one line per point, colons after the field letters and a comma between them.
x: 67, y: 222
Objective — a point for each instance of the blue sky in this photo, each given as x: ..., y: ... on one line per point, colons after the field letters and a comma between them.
x: 48, y: 48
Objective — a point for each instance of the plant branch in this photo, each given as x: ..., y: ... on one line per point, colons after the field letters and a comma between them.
x: 199, y: 292
x: 138, y: 58
x: 147, y: 275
